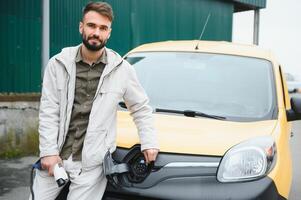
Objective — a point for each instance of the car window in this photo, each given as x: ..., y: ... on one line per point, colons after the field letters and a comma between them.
x: 239, y: 88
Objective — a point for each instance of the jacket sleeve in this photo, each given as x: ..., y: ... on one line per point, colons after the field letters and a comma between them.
x: 136, y: 101
x: 49, y: 113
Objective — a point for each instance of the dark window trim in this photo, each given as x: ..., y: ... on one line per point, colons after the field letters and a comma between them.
x: 282, y: 84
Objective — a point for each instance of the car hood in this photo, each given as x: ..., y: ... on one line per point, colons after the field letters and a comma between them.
x: 203, y: 136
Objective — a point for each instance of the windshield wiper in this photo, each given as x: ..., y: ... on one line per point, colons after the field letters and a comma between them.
x: 190, y: 113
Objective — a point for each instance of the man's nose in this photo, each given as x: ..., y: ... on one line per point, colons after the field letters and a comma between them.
x: 96, y: 32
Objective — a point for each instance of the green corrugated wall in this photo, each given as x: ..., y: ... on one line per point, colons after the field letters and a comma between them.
x: 137, y: 22
x: 64, y: 23
x: 20, y: 39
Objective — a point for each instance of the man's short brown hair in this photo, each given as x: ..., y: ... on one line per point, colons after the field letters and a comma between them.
x: 101, y: 8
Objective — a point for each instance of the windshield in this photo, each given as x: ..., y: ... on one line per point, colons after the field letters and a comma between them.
x: 236, y: 87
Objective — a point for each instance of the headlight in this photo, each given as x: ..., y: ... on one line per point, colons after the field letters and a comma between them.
x: 248, y: 160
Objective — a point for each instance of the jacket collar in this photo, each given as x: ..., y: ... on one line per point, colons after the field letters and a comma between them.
x: 101, y: 59
x: 68, y: 56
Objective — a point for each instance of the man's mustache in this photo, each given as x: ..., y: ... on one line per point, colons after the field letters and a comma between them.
x: 94, y: 37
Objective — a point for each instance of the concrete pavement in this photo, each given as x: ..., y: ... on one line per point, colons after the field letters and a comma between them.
x: 15, y: 178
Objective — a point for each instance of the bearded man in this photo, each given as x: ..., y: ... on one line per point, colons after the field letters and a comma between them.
x: 82, y: 87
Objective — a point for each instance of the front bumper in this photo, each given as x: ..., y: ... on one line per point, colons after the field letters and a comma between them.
x: 198, y: 188
x: 199, y: 181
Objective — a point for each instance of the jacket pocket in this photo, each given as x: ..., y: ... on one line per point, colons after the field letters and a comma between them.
x: 111, y: 92
x: 111, y: 85
x: 108, y: 103
x: 94, y: 148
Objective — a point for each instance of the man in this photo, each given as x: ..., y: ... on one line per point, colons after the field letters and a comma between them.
x: 77, y: 121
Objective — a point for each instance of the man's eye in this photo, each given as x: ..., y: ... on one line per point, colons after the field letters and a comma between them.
x: 91, y: 25
x: 104, y: 28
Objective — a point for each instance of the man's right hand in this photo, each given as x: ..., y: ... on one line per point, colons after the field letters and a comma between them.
x: 48, y: 163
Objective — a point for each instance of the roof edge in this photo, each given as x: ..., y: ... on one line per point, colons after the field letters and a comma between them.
x: 245, y: 5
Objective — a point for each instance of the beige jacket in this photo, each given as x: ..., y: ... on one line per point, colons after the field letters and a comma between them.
x: 118, y: 81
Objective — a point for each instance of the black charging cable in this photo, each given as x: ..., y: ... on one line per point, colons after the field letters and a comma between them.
x: 35, y: 166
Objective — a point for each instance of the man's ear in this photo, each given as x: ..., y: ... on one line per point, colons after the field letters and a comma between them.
x: 80, y: 27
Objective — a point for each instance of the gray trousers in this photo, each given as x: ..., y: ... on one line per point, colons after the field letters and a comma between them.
x: 85, y: 184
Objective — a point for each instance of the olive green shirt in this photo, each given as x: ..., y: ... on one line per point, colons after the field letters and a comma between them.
x: 87, y: 78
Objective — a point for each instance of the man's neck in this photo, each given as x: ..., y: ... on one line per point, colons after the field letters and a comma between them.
x: 90, y: 57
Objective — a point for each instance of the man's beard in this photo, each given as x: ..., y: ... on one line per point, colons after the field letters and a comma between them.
x: 93, y: 47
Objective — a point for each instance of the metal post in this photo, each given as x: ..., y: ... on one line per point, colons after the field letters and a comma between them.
x: 45, y: 35
x: 256, y: 27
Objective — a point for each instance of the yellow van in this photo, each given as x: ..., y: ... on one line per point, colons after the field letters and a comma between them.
x: 222, y: 114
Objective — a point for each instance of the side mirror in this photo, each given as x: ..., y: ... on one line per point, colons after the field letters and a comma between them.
x: 295, y: 112
x: 291, y: 91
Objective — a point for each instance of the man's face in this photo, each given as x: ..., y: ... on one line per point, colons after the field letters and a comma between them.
x: 95, y: 30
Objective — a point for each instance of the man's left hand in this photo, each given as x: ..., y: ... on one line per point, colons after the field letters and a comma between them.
x: 150, y: 154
